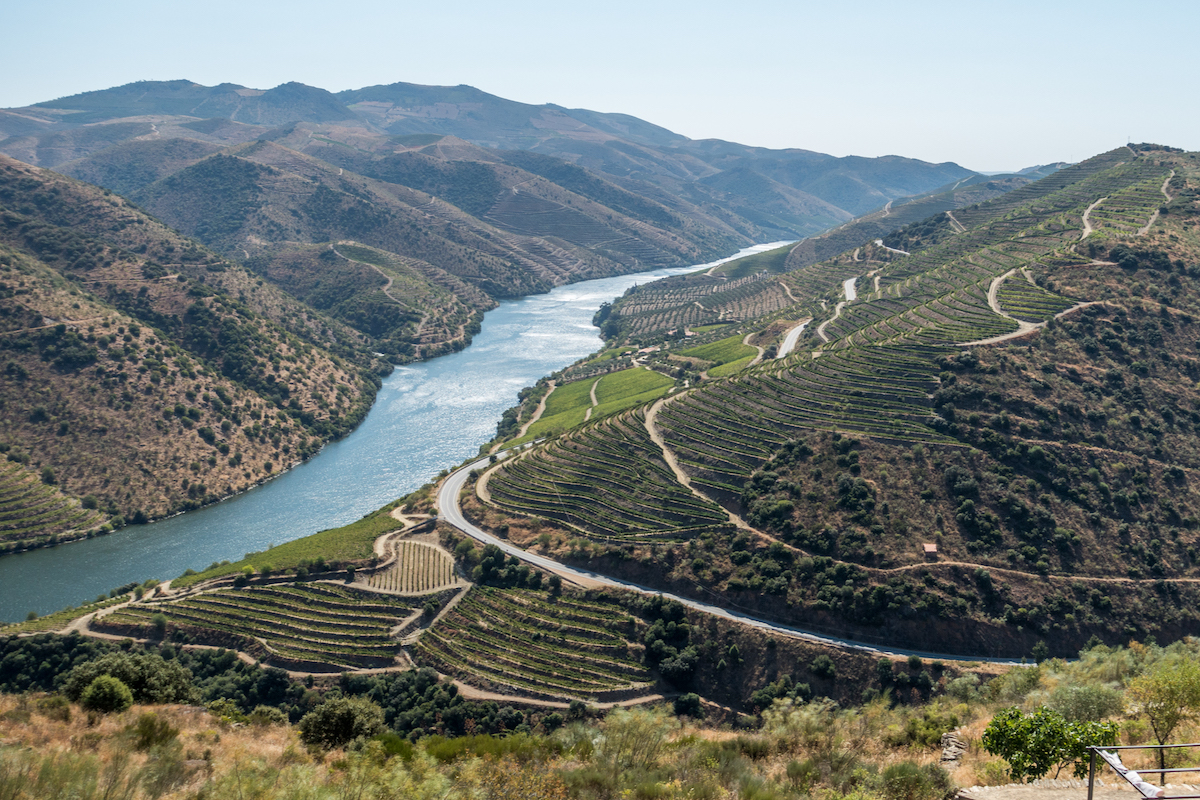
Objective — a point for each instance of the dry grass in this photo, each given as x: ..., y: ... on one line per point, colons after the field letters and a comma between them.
x: 208, y: 747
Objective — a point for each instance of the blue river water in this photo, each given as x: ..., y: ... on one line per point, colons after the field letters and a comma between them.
x: 427, y: 417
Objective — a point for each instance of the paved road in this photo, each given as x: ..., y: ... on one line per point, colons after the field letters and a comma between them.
x: 448, y: 505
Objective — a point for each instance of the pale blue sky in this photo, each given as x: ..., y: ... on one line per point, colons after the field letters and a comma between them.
x: 991, y: 85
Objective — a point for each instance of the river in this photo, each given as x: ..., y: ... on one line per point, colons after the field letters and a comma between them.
x: 427, y: 417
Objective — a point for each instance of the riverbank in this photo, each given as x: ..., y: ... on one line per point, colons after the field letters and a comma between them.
x: 427, y: 417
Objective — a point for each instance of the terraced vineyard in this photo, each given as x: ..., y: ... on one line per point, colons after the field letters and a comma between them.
x: 33, y: 514
x: 723, y: 432
x: 1028, y: 302
x: 722, y: 351
x: 695, y: 300
x: 534, y: 644
x: 1130, y: 209
x: 320, y: 624
x: 60, y: 619
x: 419, y: 568
x: 607, y: 481
x: 874, y: 377
x: 1063, y: 179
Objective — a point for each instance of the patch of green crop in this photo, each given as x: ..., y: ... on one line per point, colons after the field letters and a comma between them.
x: 570, y: 397
x: 59, y: 619
x: 347, y: 543
x: 731, y: 368
x: 721, y: 351
x: 629, y: 382
x: 772, y: 261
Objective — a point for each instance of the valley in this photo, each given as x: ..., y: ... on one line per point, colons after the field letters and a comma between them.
x: 941, y: 424
x: 787, y: 490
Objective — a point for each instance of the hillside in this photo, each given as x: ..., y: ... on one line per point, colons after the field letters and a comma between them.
x: 144, y: 374
x: 935, y: 399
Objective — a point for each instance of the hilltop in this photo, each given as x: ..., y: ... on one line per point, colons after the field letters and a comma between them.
x: 145, y: 374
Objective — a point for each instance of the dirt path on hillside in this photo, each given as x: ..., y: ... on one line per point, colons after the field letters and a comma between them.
x: 746, y: 341
x: 1029, y: 327
x: 481, y: 483
x: 1154, y: 216
x: 595, y: 402
x: 537, y: 414
x: 651, y: 423
x: 954, y: 223
x: 879, y: 243
x: 875, y: 274
x: 918, y: 565
x: 788, y: 289
x: 1087, y: 224
x: 387, y: 287
x: 847, y: 290
x: 53, y: 324
x: 383, y: 545
x: 411, y: 639
x: 837, y: 312
x: 387, y: 291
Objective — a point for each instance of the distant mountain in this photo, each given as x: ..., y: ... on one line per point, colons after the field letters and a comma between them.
x: 637, y: 154
x: 289, y: 102
x: 470, y: 196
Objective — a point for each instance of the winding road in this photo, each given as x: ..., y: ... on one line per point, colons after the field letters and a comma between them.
x: 1023, y: 328
x: 793, y: 336
x: 851, y: 295
x: 879, y: 243
x: 451, y: 512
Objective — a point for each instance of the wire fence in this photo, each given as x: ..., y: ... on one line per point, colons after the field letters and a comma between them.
x: 1112, y: 757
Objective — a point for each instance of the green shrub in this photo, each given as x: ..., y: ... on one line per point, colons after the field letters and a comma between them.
x: 927, y: 729
x: 1086, y: 703
x: 754, y: 748
x: 337, y: 722
x: 634, y: 738
x: 907, y: 781
x: 394, y: 744
x: 688, y: 705
x: 106, y: 694
x: 151, y: 730
x: 226, y: 711
x: 803, y: 774
x: 264, y: 716
x: 823, y: 667
x: 149, y: 677
x: 55, y: 707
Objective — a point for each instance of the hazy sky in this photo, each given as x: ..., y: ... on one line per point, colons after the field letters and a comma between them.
x: 991, y: 85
